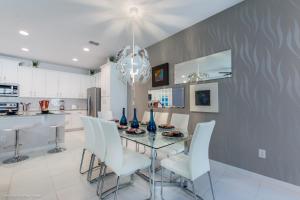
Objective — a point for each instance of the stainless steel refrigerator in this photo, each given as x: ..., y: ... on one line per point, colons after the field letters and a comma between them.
x: 93, y: 101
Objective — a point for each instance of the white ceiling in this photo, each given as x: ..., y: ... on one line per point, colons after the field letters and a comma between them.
x: 59, y: 29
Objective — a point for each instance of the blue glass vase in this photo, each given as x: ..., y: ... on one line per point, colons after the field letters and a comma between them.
x: 123, y: 120
x: 151, y: 125
x: 135, y: 122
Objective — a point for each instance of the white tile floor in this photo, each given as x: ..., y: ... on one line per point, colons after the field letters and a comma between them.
x: 56, y: 177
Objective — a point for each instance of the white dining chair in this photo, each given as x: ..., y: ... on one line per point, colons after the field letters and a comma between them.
x: 89, y: 141
x: 121, y: 162
x: 146, y: 117
x: 161, y: 118
x: 181, y: 122
x: 196, y: 163
x: 100, y: 147
x: 106, y: 115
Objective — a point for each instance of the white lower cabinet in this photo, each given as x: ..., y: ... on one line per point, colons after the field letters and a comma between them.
x: 73, y: 119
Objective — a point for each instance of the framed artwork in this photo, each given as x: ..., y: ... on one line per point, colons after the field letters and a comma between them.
x: 160, y: 75
x: 204, y: 98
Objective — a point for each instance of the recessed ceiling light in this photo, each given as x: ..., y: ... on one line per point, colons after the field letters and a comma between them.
x: 24, y: 33
x: 86, y: 49
x: 75, y: 59
x: 133, y: 12
x: 25, y: 49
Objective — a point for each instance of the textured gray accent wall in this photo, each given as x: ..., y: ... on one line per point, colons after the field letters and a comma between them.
x: 260, y: 105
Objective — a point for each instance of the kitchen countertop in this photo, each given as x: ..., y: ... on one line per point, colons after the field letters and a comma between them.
x: 33, y: 114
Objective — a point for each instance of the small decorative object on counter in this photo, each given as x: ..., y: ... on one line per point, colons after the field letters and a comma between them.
x: 135, y: 122
x: 44, y: 104
x: 151, y: 125
x: 123, y: 120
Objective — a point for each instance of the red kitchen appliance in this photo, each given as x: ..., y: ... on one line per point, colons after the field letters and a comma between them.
x: 44, y: 104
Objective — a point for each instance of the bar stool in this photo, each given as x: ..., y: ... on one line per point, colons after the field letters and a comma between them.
x: 17, y: 157
x: 57, y: 148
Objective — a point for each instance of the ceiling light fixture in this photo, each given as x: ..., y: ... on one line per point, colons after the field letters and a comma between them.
x: 75, y: 59
x: 133, y: 61
x: 86, y: 49
x: 25, y: 49
x: 24, y: 33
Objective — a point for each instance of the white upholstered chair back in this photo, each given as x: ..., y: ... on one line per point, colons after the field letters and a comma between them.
x: 100, y: 143
x: 199, y: 150
x: 106, y: 115
x: 114, y: 149
x: 89, y: 134
x: 161, y: 118
x: 146, y: 117
x: 180, y: 121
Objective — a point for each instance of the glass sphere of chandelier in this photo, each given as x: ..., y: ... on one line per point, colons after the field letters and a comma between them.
x: 133, y: 61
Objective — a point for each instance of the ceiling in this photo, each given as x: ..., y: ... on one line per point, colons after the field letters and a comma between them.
x: 60, y: 29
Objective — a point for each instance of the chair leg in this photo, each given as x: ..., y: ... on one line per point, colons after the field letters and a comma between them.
x: 194, y: 193
x: 102, y: 182
x: 89, y: 175
x: 150, y: 183
x: 211, y: 186
x: 81, y: 162
x: 161, y: 184
x: 99, y: 180
x: 116, y: 192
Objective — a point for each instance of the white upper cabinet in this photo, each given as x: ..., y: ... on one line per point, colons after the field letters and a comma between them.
x: 65, y: 85
x: 113, y: 90
x: 39, y: 83
x: 52, y: 81
x: 8, y: 71
x: 43, y: 83
x: 25, y: 81
x: 105, y: 80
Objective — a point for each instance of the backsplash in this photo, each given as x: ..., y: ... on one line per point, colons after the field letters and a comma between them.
x: 80, y: 104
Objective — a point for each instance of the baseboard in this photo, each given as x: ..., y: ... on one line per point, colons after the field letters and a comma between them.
x: 262, y: 178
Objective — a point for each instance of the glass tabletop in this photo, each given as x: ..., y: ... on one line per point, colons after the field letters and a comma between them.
x: 156, y: 141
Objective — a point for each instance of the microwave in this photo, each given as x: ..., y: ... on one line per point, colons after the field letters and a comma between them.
x: 9, y: 90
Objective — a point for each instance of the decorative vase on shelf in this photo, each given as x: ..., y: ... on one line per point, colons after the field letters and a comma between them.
x: 123, y: 120
x: 135, y: 121
x: 151, y: 125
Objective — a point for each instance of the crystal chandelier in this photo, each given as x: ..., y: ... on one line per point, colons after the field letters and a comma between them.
x: 133, y: 61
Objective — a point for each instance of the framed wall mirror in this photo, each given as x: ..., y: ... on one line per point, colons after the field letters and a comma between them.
x: 215, y: 66
x: 167, y: 97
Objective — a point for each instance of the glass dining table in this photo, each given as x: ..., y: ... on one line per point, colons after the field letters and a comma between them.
x: 154, y: 142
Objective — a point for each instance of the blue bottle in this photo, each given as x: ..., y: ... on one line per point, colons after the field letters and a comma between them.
x: 123, y: 120
x: 135, y: 122
x: 151, y: 125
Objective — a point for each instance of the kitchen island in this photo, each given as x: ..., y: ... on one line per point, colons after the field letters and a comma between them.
x: 36, y: 132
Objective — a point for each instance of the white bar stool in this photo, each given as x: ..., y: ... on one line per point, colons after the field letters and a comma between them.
x: 57, y: 148
x: 17, y: 157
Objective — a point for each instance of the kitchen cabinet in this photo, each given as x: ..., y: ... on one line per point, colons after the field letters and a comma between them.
x: 113, y: 90
x: 44, y: 83
x: 38, y: 83
x: 65, y: 85
x: 8, y: 71
x: 25, y: 81
x: 96, y: 80
x: 52, y: 81
x: 73, y: 119
x: 105, y: 80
